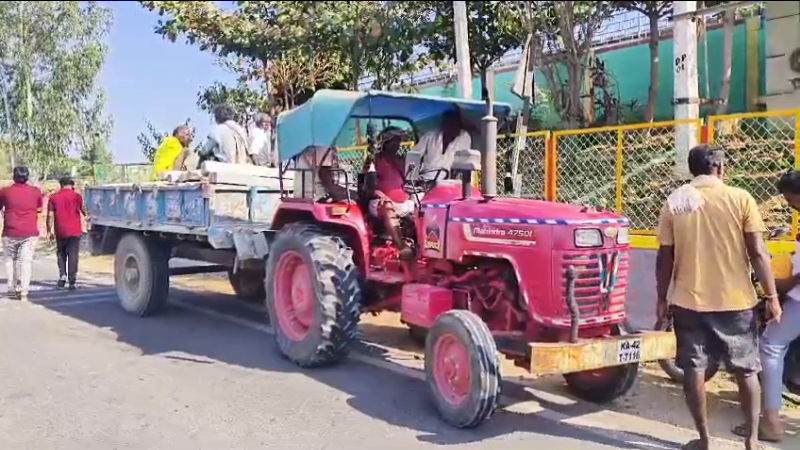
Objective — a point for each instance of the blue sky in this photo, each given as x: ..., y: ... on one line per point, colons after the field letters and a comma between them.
x: 147, y: 77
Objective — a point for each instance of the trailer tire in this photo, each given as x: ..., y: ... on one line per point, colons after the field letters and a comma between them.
x: 141, y: 275
x: 462, y: 368
x: 313, y: 295
x: 248, y: 284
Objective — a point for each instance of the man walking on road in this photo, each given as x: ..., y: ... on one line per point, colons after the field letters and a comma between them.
x: 709, y: 235
x: 21, y: 205
x: 64, y: 212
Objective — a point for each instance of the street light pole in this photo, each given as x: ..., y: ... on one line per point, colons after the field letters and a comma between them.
x: 463, y: 68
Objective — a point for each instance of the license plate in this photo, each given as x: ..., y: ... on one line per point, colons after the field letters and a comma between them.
x: 629, y: 351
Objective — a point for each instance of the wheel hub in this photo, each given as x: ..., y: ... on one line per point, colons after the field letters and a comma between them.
x: 131, y: 273
x: 294, y: 296
x: 452, y: 369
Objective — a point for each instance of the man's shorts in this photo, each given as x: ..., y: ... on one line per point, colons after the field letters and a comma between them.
x: 727, y: 336
x: 402, y: 208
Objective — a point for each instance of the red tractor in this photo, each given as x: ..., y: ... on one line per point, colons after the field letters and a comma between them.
x: 542, y: 283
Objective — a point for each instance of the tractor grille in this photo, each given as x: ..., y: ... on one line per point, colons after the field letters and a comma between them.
x: 589, y: 295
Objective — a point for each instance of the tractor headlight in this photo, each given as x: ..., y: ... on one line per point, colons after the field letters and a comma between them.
x: 588, y: 237
x: 624, y: 236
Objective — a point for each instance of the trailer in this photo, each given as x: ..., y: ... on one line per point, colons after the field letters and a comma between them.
x: 221, y: 216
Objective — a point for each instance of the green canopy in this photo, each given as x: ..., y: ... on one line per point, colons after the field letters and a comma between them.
x: 320, y: 120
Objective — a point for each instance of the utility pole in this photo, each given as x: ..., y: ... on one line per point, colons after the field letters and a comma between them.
x: 686, y: 101
x: 463, y: 67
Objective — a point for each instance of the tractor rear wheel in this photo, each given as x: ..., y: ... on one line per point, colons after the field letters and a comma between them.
x: 462, y: 368
x: 675, y: 373
x: 602, y: 385
x: 248, y: 284
x: 141, y: 275
x: 313, y: 295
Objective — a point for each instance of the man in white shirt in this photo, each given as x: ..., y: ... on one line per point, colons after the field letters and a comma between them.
x: 438, y: 147
x: 227, y: 141
x: 260, y: 144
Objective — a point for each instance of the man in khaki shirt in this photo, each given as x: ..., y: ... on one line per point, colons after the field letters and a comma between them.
x: 710, y: 235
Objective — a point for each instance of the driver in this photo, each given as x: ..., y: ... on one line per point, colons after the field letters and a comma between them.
x: 438, y: 147
x: 391, y: 201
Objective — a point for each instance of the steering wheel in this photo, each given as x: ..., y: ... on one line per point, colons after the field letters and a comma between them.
x: 423, y: 184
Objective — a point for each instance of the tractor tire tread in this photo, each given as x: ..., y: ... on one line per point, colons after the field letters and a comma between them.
x: 339, y: 294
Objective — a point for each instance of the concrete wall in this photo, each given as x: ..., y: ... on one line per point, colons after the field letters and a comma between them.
x: 782, y: 38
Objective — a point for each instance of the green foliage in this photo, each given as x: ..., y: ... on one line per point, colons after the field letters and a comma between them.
x: 150, y: 139
x: 245, y: 100
x: 493, y: 27
x: 51, y: 54
x: 296, y: 47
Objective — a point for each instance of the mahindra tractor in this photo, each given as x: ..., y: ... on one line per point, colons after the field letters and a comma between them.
x: 542, y: 283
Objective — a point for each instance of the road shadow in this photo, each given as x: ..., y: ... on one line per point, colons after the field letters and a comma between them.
x: 185, y: 335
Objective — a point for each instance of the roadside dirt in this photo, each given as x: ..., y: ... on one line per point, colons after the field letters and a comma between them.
x: 654, y: 397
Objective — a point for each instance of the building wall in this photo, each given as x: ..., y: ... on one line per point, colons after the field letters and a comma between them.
x: 630, y: 68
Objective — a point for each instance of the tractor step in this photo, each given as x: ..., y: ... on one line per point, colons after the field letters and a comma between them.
x: 598, y: 353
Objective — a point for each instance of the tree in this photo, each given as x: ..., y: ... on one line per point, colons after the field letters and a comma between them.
x: 246, y: 101
x: 150, y: 139
x: 654, y: 11
x: 50, y: 56
x: 493, y: 30
x: 294, y: 47
x: 562, y: 34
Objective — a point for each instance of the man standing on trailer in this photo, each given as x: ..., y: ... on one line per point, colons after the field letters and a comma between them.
x: 260, y: 141
x: 64, y: 211
x: 709, y: 235
x: 21, y: 204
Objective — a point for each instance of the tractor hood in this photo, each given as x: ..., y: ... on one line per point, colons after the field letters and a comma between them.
x: 516, y: 210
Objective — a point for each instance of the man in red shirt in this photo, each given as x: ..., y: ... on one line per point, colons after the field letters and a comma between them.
x: 64, y: 210
x: 21, y: 205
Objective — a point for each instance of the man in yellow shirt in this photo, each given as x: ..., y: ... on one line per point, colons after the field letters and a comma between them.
x: 709, y: 236
x: 172, y: 151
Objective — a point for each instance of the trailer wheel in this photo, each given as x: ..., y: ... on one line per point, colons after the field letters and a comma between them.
x: 314, y: 295
x: 141, y: 275
x: 462, y: 368
x: 248, y: 284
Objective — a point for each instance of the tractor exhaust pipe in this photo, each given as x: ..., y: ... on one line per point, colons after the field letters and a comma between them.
x: 574, y: 311
x: 489, y: 155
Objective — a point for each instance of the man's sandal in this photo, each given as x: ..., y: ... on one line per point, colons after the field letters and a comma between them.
x: 742, y: 431
x: 696, y: 444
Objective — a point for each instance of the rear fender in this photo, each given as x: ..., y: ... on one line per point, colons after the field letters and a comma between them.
x: 347, y: 220
x: 103, y: 240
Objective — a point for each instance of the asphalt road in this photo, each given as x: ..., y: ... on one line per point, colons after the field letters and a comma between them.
x: 76, y: 372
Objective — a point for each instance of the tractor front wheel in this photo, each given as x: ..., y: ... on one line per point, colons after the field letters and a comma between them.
x: 462, y: 368
x: 313, y: 295
x: 602, y: 385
